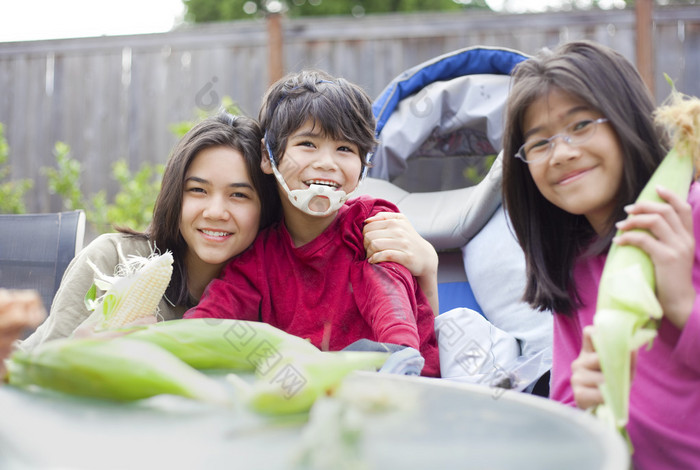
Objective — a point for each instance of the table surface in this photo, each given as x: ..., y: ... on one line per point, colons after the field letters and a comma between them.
x: 426, y: 423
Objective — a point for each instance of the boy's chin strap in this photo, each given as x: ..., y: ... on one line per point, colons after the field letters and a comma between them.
x: 301, y: 198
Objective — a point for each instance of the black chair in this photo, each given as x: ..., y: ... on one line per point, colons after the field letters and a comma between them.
x: 35, y: 250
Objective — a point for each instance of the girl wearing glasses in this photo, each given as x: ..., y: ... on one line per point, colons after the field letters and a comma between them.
x: 582, y: 145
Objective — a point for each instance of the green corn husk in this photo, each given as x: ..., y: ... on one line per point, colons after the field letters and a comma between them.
x: 206, y: 343
x: 295, y: 382
x: 290, y: 372
x: 118, y: 369
x: 627, y: 311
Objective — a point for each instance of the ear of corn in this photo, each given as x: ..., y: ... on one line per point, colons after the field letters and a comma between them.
x: 291, y: 372
x: 133, y: 294
x: 118, y: 369
x: 206, y: 343
x: 294, y: 384
x: 163, y: 358
x: 627, y: 311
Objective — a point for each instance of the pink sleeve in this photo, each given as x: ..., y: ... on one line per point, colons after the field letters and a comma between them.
x: 567, y: 345
x: 687, y: 349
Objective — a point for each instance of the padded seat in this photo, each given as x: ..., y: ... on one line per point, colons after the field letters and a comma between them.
x: 35, y: 250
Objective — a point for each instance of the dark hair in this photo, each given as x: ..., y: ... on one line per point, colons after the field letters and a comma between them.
x: 551, y: 237
x: 342, y: 109
x: 237, y: 132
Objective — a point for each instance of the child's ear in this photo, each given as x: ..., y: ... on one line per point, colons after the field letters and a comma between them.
x: 265, y: 164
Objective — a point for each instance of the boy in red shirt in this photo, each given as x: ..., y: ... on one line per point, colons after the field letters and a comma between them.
x: 307, y: 274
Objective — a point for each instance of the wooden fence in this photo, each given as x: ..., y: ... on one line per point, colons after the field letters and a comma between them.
x: 114, y: 98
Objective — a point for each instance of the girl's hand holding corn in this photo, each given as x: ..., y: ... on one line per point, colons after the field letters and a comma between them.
x: 586, y: 375
x: 669, y: 241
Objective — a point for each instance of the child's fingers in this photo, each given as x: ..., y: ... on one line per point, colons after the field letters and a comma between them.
x: 586, y: 375
x: 587, y: 344
x: 385, y: 216
x: 680, y: 205
x: 377, y: 245
x: 585, y: 381
x: 676, y: 210
x: 659, y: 219
x: 587, y: 397
x: 393, y: 256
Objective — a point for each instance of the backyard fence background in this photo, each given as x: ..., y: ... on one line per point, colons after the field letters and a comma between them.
x: 114, y: 98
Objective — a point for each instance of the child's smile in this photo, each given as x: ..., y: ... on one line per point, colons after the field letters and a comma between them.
x: 329, y: 183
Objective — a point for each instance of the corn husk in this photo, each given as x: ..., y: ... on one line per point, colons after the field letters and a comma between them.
x: 117, y: 369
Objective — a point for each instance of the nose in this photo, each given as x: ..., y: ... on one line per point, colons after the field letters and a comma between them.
x: 216, y: 209
x: 325, y: 159
x: 562, y: 149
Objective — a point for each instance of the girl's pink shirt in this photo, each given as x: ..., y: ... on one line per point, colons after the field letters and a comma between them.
x: 664, y: 421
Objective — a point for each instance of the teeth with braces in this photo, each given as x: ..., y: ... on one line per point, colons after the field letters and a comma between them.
x: 331, y: 184
x: 215, y: 234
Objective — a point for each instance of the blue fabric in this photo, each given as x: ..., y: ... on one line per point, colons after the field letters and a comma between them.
x: 469, y: 61
x: 457, y: 294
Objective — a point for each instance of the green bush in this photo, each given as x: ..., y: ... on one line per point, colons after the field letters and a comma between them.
x: 11, y: 191
x: 132, y: 206
x: 65, y: 179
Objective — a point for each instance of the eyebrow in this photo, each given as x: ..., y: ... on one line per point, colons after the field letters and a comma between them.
x: 574, y: 110
x: 309, y: 133
x: 197, y: 179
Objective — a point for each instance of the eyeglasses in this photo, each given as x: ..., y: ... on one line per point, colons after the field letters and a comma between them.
x: 538, y: 150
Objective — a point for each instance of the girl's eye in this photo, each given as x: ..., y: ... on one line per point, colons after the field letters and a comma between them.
x: 536, y: 145
x: 306, y: 143
x: 581, y: 126
x: 345, y: 148
x: 195, y: 190
x: 240, y: 195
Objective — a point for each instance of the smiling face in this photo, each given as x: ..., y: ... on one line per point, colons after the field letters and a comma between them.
x: 311, y: 157
x: 220, y: 208
x: 580, y: 179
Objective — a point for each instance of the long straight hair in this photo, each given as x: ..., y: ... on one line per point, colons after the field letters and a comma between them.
x: 237, y: 132
x: 552, y: 238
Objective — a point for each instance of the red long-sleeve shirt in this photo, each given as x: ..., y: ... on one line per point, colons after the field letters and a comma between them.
x: 325, y: 290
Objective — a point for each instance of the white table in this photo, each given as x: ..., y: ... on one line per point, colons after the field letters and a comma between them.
x: 440, y: 425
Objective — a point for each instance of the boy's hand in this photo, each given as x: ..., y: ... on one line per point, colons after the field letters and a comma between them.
x: 19, y: 310
x: 669, y: 241
x: 389, y: 236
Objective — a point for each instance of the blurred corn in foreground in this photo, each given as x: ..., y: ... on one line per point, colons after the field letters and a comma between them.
x: 116, y: 369
x: 208, y: 343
